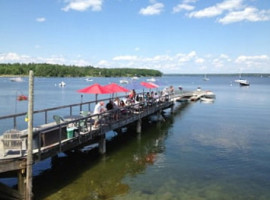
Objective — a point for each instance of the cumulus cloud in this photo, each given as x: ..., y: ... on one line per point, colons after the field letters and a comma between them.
x: 248, y: 14
x: 181, y: 7
x: 12, y: 57
x: 217, y: 9
x: 232, y: 11
x: 41, y: 19
x: 189, y: 62
x: 154, y: 9
x: 253, y: 61
x: 83, y: 5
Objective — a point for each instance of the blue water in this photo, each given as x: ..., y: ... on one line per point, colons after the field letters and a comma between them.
x: 218, y: 150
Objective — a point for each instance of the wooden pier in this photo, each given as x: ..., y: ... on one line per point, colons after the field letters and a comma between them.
x: 73, y: 132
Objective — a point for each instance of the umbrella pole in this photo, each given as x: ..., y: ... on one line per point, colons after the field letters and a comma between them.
x: 96, y: 98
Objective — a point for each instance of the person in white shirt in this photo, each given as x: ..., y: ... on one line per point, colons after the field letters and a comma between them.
x: 99, y: 108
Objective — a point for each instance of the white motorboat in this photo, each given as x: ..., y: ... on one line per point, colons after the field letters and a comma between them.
x: 209, y: 94
x: 16, y: 79
x: 123, y: 81
x: 62, y: 84
x: 244, y: 82
x: 151, y: 79
x: 207, y: 100
x: 88, y: 79
x: 134, y: 78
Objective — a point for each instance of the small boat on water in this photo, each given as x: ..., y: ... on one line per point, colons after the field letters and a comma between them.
x: 62, y: 84
x: 89, y: 79
x: 151, y: 79
x: 134, y: 78
x: 242, y: 82
x: 16, y: 79
x: 207, y: 100
x: 205, y: 78
x: 123, y: 81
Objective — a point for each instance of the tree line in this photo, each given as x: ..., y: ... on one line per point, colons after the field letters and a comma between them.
x: 54, y: 70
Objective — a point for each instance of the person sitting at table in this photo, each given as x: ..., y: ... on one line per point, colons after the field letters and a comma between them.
x: 132, y: 95
x: 99, y: 108
x: 109, y: 105
x: 156, y: 97
x: 116, y: 102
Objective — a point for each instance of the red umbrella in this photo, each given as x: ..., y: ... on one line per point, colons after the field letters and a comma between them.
x: 115, y: 88
x: 149, y: 85
x: 94, y: 89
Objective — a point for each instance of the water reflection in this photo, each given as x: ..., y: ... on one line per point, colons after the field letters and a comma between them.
x: 91, y: 176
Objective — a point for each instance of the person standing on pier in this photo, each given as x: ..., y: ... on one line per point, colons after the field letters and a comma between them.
x: 99, y: 108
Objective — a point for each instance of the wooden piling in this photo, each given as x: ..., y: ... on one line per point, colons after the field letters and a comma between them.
x: 139, y: 126
x: 102, y: 144
x: 29, y: 162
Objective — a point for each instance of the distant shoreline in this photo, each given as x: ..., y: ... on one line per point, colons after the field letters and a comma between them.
x: 229, y: 74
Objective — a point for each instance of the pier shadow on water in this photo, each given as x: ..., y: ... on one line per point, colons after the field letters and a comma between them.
x: 89, y: 175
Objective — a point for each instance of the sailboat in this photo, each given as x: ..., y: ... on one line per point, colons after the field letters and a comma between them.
x: 205, y: 78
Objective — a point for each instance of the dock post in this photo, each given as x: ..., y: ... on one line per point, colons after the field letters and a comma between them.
x: 102, y: 144
x: 139, y: 126
x: 29, y: 161
x: 172, y: 107
x: 21, y: 182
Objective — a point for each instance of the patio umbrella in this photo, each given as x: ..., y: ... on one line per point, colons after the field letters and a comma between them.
x: 94, y: 89
x: 149, y: 85
x: 115, y: 88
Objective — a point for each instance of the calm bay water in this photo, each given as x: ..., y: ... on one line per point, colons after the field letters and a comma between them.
x: 202, y: 151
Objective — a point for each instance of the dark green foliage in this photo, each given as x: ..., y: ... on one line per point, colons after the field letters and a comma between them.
x: 53, y: 70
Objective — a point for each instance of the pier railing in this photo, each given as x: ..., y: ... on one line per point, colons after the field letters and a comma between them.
x: 79, y: 127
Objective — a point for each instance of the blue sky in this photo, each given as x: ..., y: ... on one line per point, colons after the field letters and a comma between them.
x: 173, y: 36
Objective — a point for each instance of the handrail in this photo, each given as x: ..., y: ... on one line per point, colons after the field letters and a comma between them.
x: 45, y: 111
x: 39, y: 133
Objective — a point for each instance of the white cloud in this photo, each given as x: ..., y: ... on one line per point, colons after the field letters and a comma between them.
x: 248, y: 14
x: 83, y: 5
x: 233, y: 10
x: 125, y: 58
x: 181, y: 7
x: 251, y: 59
x: 154, y: 9
x: 217, y: 9
x: 13, y: 57
x: 189, y: 62
x: 41, y: 19
x: 103, y: 63
x: 199, y: 60
x: 54, y: 59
